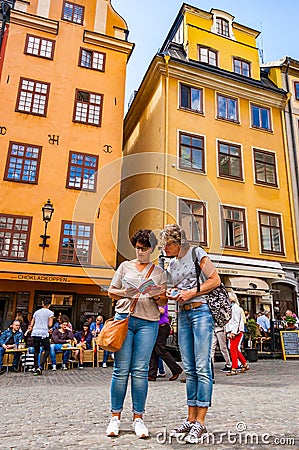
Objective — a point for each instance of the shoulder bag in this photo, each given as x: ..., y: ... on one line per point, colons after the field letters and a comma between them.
x: 217, y: 299
x: 114, y: 332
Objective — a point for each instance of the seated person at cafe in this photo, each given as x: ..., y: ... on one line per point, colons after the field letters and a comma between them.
x: 95, y: 329
x: 62, y: 318
x: 61, y: 338
x: 263, y: 322
x: 10, y: 339
x: 84, y: 339
x: 96, y: 326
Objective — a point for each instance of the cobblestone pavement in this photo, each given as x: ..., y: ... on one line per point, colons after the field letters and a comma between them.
x: 70, y: 410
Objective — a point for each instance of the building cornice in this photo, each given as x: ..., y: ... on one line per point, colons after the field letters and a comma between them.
x: 230, y: 86
x: 185, y: 72
x: 197, y: 12
x: 111, y: 43
x: 36, y: 22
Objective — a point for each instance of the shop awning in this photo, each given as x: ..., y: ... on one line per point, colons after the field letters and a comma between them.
x: 248, y: 285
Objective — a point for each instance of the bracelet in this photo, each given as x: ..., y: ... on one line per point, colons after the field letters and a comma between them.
x: 156, y: 298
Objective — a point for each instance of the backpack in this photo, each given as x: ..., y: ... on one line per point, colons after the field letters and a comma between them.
x: 218, y: 300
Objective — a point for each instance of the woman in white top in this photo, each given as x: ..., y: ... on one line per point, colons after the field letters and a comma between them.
x: 235, y: 329
x: 134, y: 356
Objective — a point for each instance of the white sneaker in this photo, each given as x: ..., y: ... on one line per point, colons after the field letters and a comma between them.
x: 104, y: 365
x: 53, y: 367
x: 64, y: 367
x: 140, y: 429
x: 113, y: 427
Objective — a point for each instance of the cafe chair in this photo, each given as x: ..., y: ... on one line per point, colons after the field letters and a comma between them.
x: 88, y: 355
x: 59, y: 357
x: 8, y: 359
x: 100, y: 356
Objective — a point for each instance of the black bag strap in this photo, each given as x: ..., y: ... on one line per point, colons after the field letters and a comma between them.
x: 197, y: 267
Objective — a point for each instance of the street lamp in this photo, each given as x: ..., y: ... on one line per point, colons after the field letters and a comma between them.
x: 47, y: 211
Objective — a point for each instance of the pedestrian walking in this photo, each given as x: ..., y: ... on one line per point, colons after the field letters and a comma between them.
x: 160, y: 350
x: 235, y: 329
x: 219, y: 337
x: 195, y: 325
x: 40, y: 324
x: 134, y: 356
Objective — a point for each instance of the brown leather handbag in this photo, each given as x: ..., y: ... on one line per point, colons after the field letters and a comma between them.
x: 114, y: 332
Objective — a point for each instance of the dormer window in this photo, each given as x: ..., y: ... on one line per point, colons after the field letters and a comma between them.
x: 222, y: 26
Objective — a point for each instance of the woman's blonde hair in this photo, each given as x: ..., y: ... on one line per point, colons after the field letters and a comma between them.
x: 173, y: 233
x: 233, y: 297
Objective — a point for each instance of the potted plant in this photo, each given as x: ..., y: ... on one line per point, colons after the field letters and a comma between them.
x: 291, y: 322
x: 251, y: 334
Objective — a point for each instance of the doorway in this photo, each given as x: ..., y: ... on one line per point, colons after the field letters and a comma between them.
x: 6, y: 311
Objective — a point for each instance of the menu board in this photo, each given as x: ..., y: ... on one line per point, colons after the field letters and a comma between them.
x: 290, y: 344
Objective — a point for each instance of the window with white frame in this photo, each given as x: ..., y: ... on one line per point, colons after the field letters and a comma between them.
x: 88, y: 108
x: 38, y: 46
x: 271, y: 232
x: 191, y: 98
x: 241, y: 67
x: 208, y: 55
x: 23, y: 161
x: 192, y: 218
x: 222, y: 26
x: 33, y: 97
x: 264, y: 167
x: 227, y: 108
x: 234, y: 228
x: 14, y: 236
x: 82, y: 171
x: 296, y: 90
x: 72, y: 12
x: 229, y: 160
x: 191, y: 152
x: 75, y: 242
x: 260, y: 117
x: 92, y: 60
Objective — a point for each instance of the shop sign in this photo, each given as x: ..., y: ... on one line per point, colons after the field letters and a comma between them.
x: 45, y: 278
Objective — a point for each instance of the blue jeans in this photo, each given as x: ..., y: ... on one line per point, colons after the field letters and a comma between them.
x: 16, y: 358
x: 133, y: 357
x: 106, y: 356
x: 195, y: 340
x: 57, y: 348
x: 31, y: 352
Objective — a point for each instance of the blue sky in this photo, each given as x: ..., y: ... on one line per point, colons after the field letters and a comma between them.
x: 150, y: 21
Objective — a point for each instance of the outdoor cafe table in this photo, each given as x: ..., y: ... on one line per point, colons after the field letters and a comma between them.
x: 9, y: 351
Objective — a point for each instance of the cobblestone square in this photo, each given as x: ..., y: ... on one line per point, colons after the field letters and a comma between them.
x: 70, y: 410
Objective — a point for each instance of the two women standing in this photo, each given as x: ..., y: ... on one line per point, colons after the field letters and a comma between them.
x: 195, y: 328
x: 134, y: 356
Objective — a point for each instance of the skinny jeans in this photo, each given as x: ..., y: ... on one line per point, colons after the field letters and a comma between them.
x: 195, y: 334
x: 133, y: 358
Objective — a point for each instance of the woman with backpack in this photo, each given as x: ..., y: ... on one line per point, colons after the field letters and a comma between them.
x: 195, y: 323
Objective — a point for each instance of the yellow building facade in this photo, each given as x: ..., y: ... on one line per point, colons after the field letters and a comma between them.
x: 63, y: 70
x: 204, y: 146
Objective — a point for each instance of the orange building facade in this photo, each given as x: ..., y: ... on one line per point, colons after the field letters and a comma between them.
x: 63, y: 70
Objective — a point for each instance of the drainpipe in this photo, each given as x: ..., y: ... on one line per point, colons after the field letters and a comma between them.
x: 166, y: 114
x: 292, y: 127
x: 288, y: 169
x: 295, y: 157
